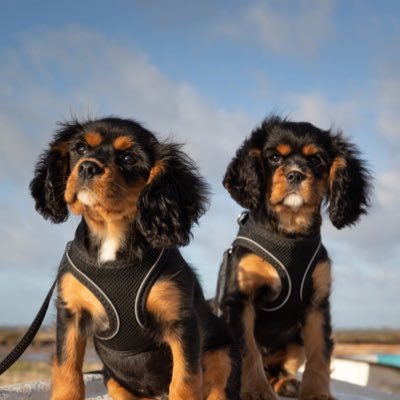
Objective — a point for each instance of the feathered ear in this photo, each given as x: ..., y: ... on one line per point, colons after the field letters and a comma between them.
x: 50, y: 176
x: 245, y: 177
x: 173, y: 200
x: 349, y: 184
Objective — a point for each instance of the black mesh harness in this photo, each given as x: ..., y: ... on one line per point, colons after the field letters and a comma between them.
x: 122, y: 289
x: 293, y: 259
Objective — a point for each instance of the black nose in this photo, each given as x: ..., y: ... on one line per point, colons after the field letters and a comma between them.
x: 89, y: 169
x: 295, y: 177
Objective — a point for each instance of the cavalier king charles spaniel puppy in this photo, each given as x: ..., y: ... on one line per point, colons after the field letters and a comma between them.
x: 274, y: 283
x: 122, y: 281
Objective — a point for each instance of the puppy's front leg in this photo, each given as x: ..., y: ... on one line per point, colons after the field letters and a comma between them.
x: 67, y: 379
x: 173, y: 311
x: 253, y: 273
x: 318, y: 343
x: 254, y: 382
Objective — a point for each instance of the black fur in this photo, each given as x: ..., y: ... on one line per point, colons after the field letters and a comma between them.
x: 335, y: 171
x: 167, y: 208
x: 170, y: 196
x: 349, y: 196
x: 247, y: 174
x: 174, y: 200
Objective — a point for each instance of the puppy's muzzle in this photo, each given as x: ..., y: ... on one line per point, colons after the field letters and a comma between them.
x: 87, y: 170
x: 295, y: 177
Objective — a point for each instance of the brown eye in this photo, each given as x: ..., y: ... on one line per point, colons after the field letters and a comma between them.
x: 81, y: 148
x: 314, y: 161
x: 275, y: 158
x: 126, y: 160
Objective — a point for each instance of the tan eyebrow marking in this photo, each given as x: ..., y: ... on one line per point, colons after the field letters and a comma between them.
x: 123, y: 143
x: 93, y: 139
x: 158, y: 169
x: 310, y: 149
x: 284, y: 149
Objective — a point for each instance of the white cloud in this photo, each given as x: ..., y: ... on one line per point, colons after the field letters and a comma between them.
x: 108, y: 78
x: 388, y: 106
x: 54, y: 73
x: 99, y: 77
x: 286, y: 28
x: 375, y: 238
x: 315, y: 108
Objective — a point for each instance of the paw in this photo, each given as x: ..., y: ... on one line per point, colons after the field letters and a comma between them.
x: 287, y: 387
x: 316, y: 397
x: 255, y: 395
x: 67, y: 397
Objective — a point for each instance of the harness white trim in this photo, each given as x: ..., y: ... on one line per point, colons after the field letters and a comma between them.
x: 307, y: 269
x: 283, y: 267
x: 103, y: 294
x: 142, y: 286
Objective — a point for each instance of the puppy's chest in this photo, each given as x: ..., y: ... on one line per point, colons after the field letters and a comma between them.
x: 113, y: 294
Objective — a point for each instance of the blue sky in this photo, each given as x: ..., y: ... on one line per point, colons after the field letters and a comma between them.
x: 204, y: 73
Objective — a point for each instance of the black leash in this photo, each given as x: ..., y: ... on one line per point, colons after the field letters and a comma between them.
x: 16, y: 353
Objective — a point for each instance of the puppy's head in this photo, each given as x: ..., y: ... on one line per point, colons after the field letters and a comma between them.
x: 113, y: 171
x: 288, y: 169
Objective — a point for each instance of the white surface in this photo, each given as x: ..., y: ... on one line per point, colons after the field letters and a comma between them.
x: 96, y: 391
x: 350, y: 371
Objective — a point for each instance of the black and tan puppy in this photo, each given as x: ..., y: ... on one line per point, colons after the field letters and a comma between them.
x: 275, y: 280
x: 122, y: 279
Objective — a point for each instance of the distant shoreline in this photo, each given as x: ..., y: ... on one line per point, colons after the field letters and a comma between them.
x: 10, y: 335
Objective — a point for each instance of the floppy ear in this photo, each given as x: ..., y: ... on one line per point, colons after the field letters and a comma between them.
x: 349, y: 184
x: 173, y: 199
x: 245, y: 177
x: 50, y: 176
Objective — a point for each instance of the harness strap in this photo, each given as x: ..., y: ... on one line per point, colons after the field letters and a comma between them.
x: 26, y: 340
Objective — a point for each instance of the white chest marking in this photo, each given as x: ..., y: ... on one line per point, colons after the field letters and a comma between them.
x: 109, y: 248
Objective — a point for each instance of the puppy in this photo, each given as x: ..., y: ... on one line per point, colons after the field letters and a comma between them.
x: 274, y: 283
x: 122, y: 279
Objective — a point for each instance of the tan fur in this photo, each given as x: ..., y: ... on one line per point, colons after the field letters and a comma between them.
x: 67, y: 378
x: 254, y: 381
x: 317, y: 370
x: 184, y: 385
x: 123, y: 143
x: 321, y: 279
x: 279, y: 188
x: 108, y: 214
x: 255, y: 272
x: 284, y: 149
x: 93, y: 139
x: 216, y: 370
x: 338, y: 163
x: 117, y: 392
x: 79, y: 298
x: 296, y: 220
x: 164, y: 301
x: 112, y: 199
x: 310, y: 150
x: 313, y: 190
x: 295, y: 357
x: 165, y: 304
x: 291, y: 358
x: 158, y: 169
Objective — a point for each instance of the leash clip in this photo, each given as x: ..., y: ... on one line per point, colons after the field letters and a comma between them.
x: 243, y: 217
